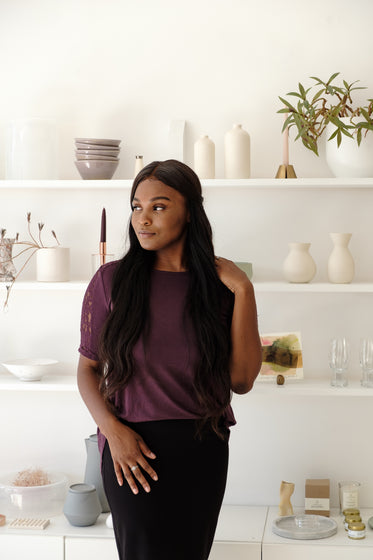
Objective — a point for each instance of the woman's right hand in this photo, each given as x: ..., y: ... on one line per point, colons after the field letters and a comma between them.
x: 129, y: 453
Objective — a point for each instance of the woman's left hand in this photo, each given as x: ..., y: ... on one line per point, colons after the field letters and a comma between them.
x: 231, y: 275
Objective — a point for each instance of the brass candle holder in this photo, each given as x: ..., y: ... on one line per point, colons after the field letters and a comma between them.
x: 286, y: 172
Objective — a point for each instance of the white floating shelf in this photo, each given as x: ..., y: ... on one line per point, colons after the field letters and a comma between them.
x: 255, y: 183
x: 52, y: 383
x: 310, y: 388
x: 313, y: 287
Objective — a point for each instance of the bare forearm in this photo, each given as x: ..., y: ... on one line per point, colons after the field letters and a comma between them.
x: 88, y: 384
x: 246, y: 355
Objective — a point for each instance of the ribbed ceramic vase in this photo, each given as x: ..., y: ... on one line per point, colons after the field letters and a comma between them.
x: 237, y: 153
x: 341, y: 267
x: 299, y: 266
x: 204, y: 158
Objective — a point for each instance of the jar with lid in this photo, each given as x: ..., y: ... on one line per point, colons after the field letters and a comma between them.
x: 139, y: 164
x: 351, y: 511
x: 356, y: 530
x: 351, y: 519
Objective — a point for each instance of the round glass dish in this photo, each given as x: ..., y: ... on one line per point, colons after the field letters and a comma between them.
x: 304, y: 526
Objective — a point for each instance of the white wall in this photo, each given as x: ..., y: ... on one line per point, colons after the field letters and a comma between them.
x: 123, y: 70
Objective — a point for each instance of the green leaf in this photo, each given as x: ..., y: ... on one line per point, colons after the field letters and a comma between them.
x: 332, y: 77
x: 286, y: 103
x: 317, y: 95
x: 358, y: 137
x: 302, y: 91
x: 333, y: 135
x: 339, y: 138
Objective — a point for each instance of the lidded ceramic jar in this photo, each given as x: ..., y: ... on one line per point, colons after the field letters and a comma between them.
x: 299, y: 266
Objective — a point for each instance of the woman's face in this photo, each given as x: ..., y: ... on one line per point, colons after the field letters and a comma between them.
x: 159, y: 217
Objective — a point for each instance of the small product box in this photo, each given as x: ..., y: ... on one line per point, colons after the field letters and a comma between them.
x: 317, y: 500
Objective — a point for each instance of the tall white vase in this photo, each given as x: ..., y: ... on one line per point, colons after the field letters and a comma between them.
x: 237, y: 153
x: 341, y: 267
x: 299, y: 266
x: 349, y: 160
x: 204, y: 158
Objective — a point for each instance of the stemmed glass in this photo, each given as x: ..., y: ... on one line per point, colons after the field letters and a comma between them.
x: 366, y: 361
x: 339, y: 355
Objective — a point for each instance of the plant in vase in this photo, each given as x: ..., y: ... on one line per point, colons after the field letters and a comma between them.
x: 327, y: 107
x: 34, y: 244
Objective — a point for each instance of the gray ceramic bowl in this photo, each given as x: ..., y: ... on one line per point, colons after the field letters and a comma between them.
x: 97, y: 147
x: 98, y: 157
x: 96, y: 169
x: 98, y: 152
x: 102, y: 141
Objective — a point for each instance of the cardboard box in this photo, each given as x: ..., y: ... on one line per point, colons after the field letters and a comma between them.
x: 317, y: 499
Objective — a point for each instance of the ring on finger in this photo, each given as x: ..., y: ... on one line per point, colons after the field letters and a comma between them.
x: 134, y: 467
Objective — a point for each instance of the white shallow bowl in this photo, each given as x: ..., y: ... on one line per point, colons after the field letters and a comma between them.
x: 96, y: 169
x: 89, y: 156
x: 30, y: 369
x: 111, y: 153
x: 33, y: 501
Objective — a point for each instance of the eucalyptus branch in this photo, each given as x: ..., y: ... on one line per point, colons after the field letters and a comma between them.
x: 330, y: 103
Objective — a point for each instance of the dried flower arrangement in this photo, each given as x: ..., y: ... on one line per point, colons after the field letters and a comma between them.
x: 33, y: 245
x: 31, y: 477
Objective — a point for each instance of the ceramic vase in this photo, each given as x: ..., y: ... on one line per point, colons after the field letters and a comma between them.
x: 350, y: 159
x: 237, y: 153
x: 341, y: 268
x: 32, y: 149
x: 93, y: 471
x: 286, y: 491
x: 82, y: 506
x: 299, y: 266
x: 7, y: 268
x: 53, y: 264
x: 204, y: 158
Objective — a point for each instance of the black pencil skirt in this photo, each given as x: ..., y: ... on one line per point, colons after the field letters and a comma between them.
x: 177, y: 518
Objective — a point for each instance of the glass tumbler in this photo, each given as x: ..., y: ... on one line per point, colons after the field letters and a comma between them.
x: 339, y: 355
x: 366, y: 361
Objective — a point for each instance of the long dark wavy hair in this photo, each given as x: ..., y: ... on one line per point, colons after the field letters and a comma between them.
x: 130, y: 301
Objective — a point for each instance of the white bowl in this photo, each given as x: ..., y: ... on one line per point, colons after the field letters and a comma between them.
x: 98, y: 147
x: 96, y: 157
x: 111, y: 153
x: 33, y: 501
x: 96, y: 169
x: 30, y: 369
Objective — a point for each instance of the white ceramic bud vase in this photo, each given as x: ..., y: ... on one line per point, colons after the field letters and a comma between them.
x: 341, y: 267
x: 204, y: 158
x: 299, y: 266
x: 237, y: 153
x: 53, y: 264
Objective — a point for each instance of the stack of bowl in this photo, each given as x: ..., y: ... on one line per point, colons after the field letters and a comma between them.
x: 97, y: 158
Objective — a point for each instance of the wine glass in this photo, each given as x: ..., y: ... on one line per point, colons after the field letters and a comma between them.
x: 339, y: 355
x: 366, y: 361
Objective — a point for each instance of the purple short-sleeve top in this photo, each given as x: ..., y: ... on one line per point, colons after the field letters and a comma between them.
x: 162, y: 385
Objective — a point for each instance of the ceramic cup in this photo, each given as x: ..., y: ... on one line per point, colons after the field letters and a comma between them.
x: 82, y: 506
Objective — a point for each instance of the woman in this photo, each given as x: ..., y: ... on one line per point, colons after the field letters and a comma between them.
x: 167, y: 333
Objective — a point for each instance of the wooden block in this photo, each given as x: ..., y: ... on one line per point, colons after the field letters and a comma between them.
x: 29, y: 523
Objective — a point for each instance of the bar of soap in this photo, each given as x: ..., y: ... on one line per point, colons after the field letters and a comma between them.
x: 2, y: 520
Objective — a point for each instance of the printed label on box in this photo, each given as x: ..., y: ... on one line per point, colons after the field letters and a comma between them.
x: 317, y: 504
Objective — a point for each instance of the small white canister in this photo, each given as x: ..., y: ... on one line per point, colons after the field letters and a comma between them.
x: 53, y: 264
